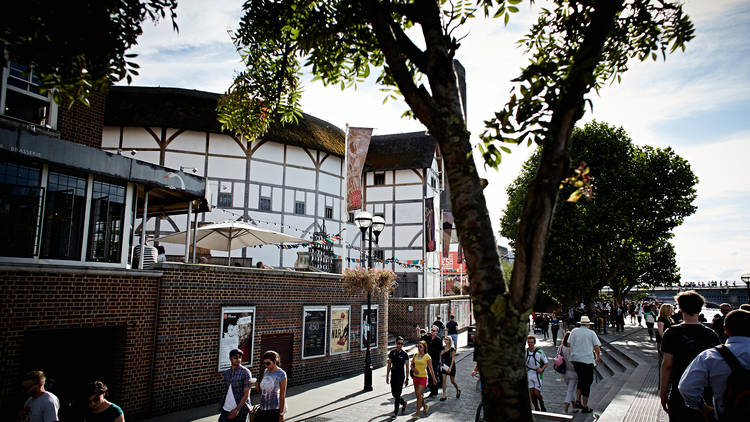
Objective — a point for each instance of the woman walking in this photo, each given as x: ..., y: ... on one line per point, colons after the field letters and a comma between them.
x: 555, y: 325
x: 422, y: 364
x: 570, y: 377
x: 650, y: 319
x: 448, y: 360
x: 662, y: 324
x: 272, y: 389
x: 100, y: 409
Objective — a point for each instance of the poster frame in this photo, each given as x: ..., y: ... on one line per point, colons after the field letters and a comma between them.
x: 334, y: 309
x: 234, y: 309
x: 325, y: 330
x: 374, y: 345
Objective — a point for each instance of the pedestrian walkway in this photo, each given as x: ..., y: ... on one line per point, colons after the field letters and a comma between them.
x: 628, y: 396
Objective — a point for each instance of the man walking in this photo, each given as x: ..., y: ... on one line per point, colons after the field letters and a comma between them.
x: 451, y: 329
x: 584, y: 354
x: 398, y: 366
x: 441, y: 327
x: 718, y: 324
x: 41, y: 406
x: 681, y: 344
x: 434, y: 347
x: 536, y: 363
x: 235, y: 405
x: 712, y: 369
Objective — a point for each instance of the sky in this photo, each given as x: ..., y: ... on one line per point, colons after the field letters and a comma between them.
x: 697, y: 102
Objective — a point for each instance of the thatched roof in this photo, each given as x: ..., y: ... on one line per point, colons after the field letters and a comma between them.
x: 415, y: 150
x: 196, y: 110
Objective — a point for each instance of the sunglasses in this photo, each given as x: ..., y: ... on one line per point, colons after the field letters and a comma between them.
x: 400, y: 343
x: 267, y: 362
x: 237, y: 357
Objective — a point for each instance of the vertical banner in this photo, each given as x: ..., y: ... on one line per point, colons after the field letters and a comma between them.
x: 357, y: 144
x: 237, y: 332
x: 460, y: 259
x: 314, y: 331
x: 429, y: 225
x: 339, y: 340
x: 370, y: 332
x: 447, y: 231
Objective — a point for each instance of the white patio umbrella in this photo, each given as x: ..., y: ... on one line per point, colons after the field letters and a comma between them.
x: 232, y: 235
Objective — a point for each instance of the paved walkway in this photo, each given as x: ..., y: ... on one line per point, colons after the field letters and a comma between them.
x: 342, y: 399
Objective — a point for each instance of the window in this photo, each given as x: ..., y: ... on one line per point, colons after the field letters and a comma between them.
x: 224, y: 200
x: 106, y: 222
x: 299, y: 207
x: 350, y: 218
x: 20, y: 202
x: 264, y: 204
x: 433, y: 183
x: 63, y: 216
x: 24, y: 99
x: 329, y: 212
x: 379, y: 179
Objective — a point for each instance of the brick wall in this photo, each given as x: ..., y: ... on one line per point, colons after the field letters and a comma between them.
x: 185, y: 328
x: 402, y: 320
x: 81, y: 124
x: 37, y: 299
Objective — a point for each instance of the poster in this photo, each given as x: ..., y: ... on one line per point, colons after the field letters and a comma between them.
x: 314, y: 331
x: 357, y: 144
x: 340, y: 339
x: 373, y: 331
x: 429, y: 225
x: 237, y: 332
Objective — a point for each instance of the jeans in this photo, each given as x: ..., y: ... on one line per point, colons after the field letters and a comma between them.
x: 397, y: 385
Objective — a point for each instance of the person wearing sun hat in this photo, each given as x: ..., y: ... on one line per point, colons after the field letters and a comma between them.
x: 584, y: 353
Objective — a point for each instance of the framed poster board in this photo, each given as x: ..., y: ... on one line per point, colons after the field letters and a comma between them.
x: 340, y: 324
x: 237, y: 331
x: 314, y: 331
x: 373, y: 329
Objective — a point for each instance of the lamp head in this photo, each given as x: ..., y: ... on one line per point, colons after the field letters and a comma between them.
x: 378, y: 224
x: 745, y: 277
x: 363, y: 220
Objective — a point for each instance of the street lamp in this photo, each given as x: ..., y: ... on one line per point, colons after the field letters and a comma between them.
x: 746, y: 278
x: 374, y: 225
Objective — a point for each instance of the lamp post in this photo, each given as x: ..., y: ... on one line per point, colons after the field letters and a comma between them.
x: 746, y: 278
x: 374, y: 225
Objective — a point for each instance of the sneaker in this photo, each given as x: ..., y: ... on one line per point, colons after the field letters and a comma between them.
x: 458, y: 394
x: 587, y: 410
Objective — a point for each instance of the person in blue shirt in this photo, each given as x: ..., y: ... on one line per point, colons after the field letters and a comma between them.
x: 710, y: 369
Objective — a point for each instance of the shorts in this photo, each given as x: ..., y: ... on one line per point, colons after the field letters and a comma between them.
x: 535, y: 380
x: 420, y: 381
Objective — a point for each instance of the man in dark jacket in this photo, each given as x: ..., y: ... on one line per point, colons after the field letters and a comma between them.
x: 718, y: 324
x: 434, y: 347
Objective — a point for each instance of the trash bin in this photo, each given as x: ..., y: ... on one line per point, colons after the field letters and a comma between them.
x: 470, y: 332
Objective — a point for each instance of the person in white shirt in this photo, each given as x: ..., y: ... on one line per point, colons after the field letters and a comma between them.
x: 584, y: 353
x: 41, y: 406
x: 536, y: 363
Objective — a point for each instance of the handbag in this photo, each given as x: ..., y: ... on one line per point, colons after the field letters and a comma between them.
x: 559, y: 362
x: 446, y: 368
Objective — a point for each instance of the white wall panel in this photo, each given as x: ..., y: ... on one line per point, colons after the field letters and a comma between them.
x: 147, y: 156
x: 213, y: 188
x: 254, y: 194
x: 407, y: 176
x: 224, y: 144
x: 226, y: 168
x: 266, y: 173
x: 174, y: 160
x: 310, y: 204
x: 300, y: 178
x: 137, y: 137
x: 238, y: 197
x: 332, y: 164
x: 299, y: 222
x: 409, y: 213
x: 409, y: 192
x: 276, y: 200
x: 379, y: 193
x: 289, y: 201
x: 110, y: 137
x: 404, y: 235
x: 298, y: 156
x: 188, y: 141
x: 272, y: 151
x: 329, y: 184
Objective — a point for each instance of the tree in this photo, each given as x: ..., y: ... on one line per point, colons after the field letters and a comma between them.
x: 78, y: 47
x: 621, y: 237
x: 575, y: 46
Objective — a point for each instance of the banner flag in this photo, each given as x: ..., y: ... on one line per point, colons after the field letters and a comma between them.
x: 447, y: 229
x: 429, y: 225
x: 357, y: 144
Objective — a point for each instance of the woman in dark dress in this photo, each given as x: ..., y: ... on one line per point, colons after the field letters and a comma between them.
x: 448, y: 358
x: 100, y: 409
x: 662, y: 324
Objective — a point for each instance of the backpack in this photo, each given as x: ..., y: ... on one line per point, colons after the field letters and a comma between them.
x: 650, y: 318
x: 737, y: 396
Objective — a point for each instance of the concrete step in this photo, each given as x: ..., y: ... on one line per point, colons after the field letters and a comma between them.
x: 549, y: 416
x: 612, y: 361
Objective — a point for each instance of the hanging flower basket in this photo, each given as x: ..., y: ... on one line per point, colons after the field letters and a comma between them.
x: 374, y: 281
